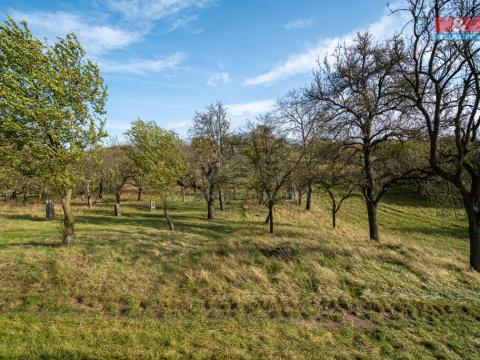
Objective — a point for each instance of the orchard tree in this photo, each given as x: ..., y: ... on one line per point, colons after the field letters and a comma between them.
x: 211, y: 151
x: 158, y: 159
x: 441, y: 79
x: 90, y: 179
x: 116, y: 170
x: 272, y: 160
x: 301, y: 120
x: 337, y: 174
x: 358, y: 85
x: 52, y: 103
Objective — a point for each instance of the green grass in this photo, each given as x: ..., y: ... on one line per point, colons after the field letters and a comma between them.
x: 129, y: 288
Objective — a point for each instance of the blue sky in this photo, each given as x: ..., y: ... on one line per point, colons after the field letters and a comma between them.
x: 165, y: 59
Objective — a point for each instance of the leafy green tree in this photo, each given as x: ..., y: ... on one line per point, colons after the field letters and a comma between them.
x: 52, y: 103
x: 158, y: 158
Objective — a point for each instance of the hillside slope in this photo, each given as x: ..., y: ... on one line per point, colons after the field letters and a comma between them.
x: 129, y: 288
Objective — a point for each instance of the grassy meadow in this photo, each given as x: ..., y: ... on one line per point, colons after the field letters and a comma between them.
x: 129, y: 288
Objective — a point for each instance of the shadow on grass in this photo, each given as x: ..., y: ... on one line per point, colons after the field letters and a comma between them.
x: 404, y: 198
x: 458, y: 232
x: 27, y: 217
x: 32, y: 244
x: 216, y: 229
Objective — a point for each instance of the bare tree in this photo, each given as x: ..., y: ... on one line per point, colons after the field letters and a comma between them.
x: 337, y: 174
x: 272, y: 159
x: 116, y: 171
x: 441, y: 79
x: 210, y: 152
x: 300, y: 119
x: 89, y: 185
x: 358, y: 84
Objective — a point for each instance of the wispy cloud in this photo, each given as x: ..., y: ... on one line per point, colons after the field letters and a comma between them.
x: 153, y: 10
x: 250, y: 109
x: 179, y: 126
x: 299, y: 24
x: 182, y: 22
x: 218, y: 78
x: 145, y: 66
x: 97, y: 39
x: 305, y: 61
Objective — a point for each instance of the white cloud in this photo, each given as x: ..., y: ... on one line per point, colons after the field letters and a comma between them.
x: 144, y: 66
x: 153, y: 10
x: 218, y: 78
x: 299, y: 24
x: 97, y: 39
x: 179, y: 126
x: 305, y: 61
x: 249, y: 110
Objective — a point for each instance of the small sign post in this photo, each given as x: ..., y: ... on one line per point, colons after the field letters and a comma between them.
x: 50, y: 210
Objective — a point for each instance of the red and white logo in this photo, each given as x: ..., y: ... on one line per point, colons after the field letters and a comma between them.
x: 457, y: 24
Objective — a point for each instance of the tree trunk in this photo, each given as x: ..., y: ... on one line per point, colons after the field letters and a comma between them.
x: 209, y: 195
x: 89, y: 201
x: 182, y: 189
x: 221, y: 200
x: 270, y: 215
x: 139, y: 194
x: 100, y: 190
x: 68, y: 221
x: 474, y: 234
x: 334, y: 208
x: 300, y: 197
x: 26, y: 194
x: 369, y: 193
x: 267, y: 220
x: 210, y: 209
x: 167, y: 217
x: 117, y: 197
x: 372, y: 220
x: 116, y: 209
x: 309, y: 197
